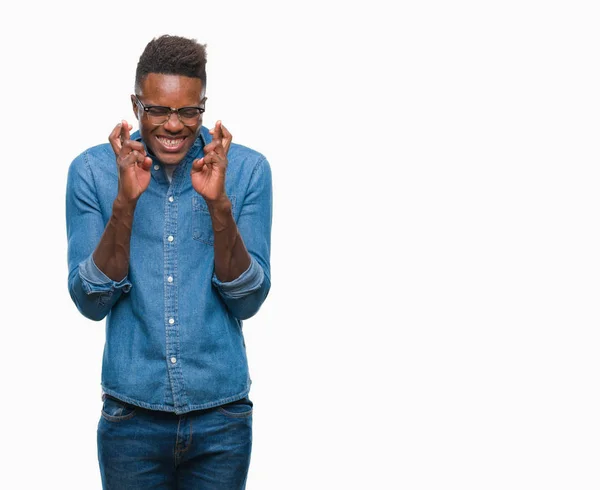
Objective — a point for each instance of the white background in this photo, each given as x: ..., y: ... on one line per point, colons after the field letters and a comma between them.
x: 433, y: 320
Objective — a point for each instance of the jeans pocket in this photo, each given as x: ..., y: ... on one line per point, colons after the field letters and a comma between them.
x: 115, y: 410
x: 237, y: 409
x: 202, y: 229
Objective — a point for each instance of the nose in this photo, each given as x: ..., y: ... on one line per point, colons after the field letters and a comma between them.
x: 174, y: 124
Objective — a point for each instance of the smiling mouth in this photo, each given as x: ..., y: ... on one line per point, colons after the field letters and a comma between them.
x: 171, y: 144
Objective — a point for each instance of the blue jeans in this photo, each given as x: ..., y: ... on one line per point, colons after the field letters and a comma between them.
x: 201, y: 450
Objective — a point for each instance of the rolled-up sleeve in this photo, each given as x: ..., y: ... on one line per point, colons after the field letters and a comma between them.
x: 91, y: 290
x: 95, y: 281
x: 245, y: 294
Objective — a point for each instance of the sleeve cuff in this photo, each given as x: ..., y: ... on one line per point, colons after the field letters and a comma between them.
x: 94, y: 280
x: 250, y: 281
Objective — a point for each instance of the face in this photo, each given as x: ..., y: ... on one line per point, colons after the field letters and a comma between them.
x: 170, y: 141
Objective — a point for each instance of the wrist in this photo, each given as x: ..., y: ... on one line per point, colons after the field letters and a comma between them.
x: 219, y: 205
x: 221, y: 214
x: 123, y: 206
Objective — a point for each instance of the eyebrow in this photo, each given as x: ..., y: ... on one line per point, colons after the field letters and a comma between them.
x: 202, y: 101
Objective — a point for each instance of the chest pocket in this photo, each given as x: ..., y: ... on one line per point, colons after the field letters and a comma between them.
x: 201, y: 223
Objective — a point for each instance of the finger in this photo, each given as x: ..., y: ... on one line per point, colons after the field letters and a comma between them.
x: 139, y: 156
x: 226, y: 141
x: 124, y: 131
x: 217, y: 134
x: 113, y: 139
x: 211, y: 158
x: 131, y: 145
x: 211, y: 146
x: 130, y: 159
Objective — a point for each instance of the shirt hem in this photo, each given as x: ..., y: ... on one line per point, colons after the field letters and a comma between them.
x: 176, y: 410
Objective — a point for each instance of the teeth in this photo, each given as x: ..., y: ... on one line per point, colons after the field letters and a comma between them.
x: 172, y: 142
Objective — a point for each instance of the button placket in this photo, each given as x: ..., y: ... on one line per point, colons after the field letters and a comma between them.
x: 172, y: 326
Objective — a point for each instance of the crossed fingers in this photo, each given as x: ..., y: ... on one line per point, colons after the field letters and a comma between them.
x: 220, y: 142
x: 127, y: 151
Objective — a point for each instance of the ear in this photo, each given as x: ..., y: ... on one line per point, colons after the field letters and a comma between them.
x: 135, y: 107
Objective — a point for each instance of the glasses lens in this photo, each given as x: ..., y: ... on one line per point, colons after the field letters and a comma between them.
x: 189, y: 115
x: 158, y: 115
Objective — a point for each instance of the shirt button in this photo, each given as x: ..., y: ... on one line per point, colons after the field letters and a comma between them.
x: 170, y: 238
x: 173, y: 360
x: 170, y: 278
x: 170, y: 198
x: 156, y: 167
x: 171, y: 321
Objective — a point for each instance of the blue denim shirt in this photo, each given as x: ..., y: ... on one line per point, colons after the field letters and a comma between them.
x: 174, y: 337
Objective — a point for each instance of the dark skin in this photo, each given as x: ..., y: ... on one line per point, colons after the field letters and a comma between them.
x: 169, y: 143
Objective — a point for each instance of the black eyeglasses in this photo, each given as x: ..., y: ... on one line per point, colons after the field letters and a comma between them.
x: 158, y: 114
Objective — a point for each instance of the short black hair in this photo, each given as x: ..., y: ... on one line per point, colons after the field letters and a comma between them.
x: 172, y: 55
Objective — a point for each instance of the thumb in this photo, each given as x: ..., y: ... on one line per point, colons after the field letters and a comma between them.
x: 146, y: 164
x: 198, y: 164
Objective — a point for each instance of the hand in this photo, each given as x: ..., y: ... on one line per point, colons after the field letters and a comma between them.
x: 208, y: 172
x: 132, y: 162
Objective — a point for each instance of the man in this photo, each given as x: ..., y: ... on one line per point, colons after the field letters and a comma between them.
x: 169, y: 239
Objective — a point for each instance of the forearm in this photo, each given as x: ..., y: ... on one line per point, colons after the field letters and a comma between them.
x: 111, y: 255
x: 231, y: 257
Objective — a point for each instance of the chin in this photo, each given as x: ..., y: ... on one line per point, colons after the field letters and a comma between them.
x: 171, y: 158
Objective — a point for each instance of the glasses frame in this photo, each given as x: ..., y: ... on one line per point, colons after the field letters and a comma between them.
x: 172, y: 110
